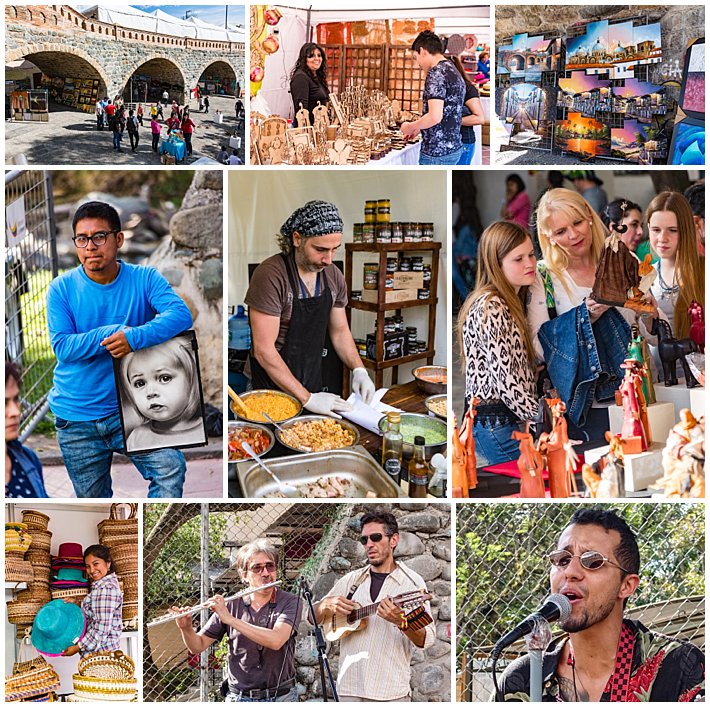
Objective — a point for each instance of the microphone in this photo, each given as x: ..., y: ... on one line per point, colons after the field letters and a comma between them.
x: 557, y: 607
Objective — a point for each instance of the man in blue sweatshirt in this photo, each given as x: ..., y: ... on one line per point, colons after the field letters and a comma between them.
x: 101, y: 310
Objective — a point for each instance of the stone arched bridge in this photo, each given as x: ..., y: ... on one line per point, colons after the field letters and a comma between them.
x: 62, y: 42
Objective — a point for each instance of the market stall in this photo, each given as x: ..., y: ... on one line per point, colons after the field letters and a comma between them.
x: 43, y: 564
x: 395, y: 311
x: 374, y: 85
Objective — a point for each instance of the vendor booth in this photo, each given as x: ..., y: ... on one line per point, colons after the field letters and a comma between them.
x: 373, y: 82
x: 396, y: 312
x: 45, y: 585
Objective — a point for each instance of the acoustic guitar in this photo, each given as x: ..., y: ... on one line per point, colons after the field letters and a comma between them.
x: 336, y: 626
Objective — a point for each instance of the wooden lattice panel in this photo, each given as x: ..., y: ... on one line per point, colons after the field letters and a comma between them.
x: 333, y: 56
x: 365, y: 66
x: 405, y: 81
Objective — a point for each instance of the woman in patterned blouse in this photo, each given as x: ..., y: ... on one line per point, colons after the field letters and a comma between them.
x: 102, y: 606
x: 494, y: 338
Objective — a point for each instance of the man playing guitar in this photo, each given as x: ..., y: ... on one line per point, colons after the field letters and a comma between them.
x: 375, y: 661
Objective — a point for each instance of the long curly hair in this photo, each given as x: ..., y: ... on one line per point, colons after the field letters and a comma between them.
x: 307, y: 51
x: 689, y: 266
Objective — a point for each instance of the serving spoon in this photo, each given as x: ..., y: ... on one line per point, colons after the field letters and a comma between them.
x: 281, y: 429
x: 286, y: 489
x: 238, y: 402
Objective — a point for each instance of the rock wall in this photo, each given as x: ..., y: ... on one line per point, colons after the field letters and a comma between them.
x: 191, y: 260
x: 425, y: 547
x: 680, y: 25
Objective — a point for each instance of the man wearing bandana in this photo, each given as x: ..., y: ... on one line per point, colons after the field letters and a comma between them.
x: 296, y: 300
x: 605, y: 657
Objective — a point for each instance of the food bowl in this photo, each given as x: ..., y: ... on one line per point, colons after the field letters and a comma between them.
x: 413, y: 424
x: 431, y: 379
x: 252, y: 396
x: 313, y: 418
x: 434, y: 399
x: 234, y: 428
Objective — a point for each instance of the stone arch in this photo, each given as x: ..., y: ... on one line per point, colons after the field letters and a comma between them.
x: 163, y: 68
x: 12, y: 12
x: 221, y: 68
x: 69, y: 61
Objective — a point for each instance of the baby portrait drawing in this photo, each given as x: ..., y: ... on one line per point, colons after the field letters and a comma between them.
x: 160, y: 396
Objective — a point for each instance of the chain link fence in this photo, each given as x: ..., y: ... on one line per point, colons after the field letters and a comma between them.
x: 189, y: 555
x: 30, y: 265
x: 502, y: 574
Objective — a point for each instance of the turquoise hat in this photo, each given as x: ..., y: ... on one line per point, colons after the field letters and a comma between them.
x: 57, y: 626
x: 74, y: 575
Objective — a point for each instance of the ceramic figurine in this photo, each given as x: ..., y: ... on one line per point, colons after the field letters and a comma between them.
x: 530, y: 466
x: 638, y: 350
x: 555, y: 448
x: 684, y: 458
x: 697, y: 325
x: 605, y: 478
x: 671, y: 350
x: 635, y: 425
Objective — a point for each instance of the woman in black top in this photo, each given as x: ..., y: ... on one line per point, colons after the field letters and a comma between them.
x: 308, y: 80
x: 472, y: 115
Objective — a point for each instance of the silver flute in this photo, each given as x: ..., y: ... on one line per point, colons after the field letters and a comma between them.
x: 199, y: 607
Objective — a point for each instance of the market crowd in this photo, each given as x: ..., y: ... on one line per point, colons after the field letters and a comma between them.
x: 528, y: 323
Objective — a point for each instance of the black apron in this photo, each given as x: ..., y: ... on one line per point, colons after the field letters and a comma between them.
x: 303, y: 349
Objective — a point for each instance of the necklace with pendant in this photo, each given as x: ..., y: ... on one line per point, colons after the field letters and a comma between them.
x: 667, y: 293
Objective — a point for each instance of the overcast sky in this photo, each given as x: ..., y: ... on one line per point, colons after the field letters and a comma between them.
x: 208, y: 13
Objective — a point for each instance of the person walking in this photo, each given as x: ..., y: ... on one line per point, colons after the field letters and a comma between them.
x: 155, y: 132
x: 207, y: 104
x: 132, y: 127
x: 139, y: 114
x: 99, y: 115
x: 117, y: 129
x: 187, y: 126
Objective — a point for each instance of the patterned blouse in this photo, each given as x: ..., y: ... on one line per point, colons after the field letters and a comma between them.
x: 103, y: 608
x: 497, y: 365
x: 443, y: 82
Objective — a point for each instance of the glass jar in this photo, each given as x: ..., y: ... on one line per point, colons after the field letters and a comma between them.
x: 405, y: 265
x: 357, y: 233
x: 383, y: 211
x: 417, y: 264
x: 397, y: 232
x: 368, y: 232
x: 384, y: 233
x: 370, y: 211
x: 427, y: 275
x: 427, y: 231
x: 370, y: 277
x: 392, y: 265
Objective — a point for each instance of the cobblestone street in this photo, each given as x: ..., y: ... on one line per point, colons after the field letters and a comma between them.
x: 71, y: 138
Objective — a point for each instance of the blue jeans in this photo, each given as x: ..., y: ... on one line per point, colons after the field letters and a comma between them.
x: 116, y: 141
x: 469, y: 150
x: 88, y: 448
x: 291, y: 696
x: 496, y: 443
x: 451, y: 158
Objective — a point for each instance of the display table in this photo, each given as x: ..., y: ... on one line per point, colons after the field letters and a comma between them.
x: 176, y: 148
x: 407, y: 397
x: 408, y: 155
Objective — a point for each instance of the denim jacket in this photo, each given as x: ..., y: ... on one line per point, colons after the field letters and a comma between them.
x: 584, y: 360
x: 25, y: 458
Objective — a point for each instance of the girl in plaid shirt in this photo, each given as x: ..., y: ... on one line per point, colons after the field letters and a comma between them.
x: 102, y: 606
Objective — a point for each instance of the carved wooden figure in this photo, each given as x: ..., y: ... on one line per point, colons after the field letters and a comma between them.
x: 530, y: 465
x: 671, y: 350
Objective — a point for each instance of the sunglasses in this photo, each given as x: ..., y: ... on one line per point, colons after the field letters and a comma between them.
x: 258, y: 569
x: 98, y: 239
x: 375, y: 537
x: 590, y: 560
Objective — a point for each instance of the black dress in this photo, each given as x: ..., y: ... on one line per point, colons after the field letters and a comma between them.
x: 307, y: 91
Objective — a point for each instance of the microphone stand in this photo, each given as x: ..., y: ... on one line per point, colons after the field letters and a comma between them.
x: 323, y: 663
x: 537, y: 640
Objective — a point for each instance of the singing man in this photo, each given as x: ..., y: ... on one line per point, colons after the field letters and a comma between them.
x: 605, y: 657
x: 260, y: 627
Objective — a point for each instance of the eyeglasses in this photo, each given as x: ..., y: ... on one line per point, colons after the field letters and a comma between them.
x: 590, y: 560
x: 98, y: 239
x: 258, y: 569
x: 375, y: 537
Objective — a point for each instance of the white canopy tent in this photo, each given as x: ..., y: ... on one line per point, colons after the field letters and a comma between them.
x: 162, y: 23
x: 299, y: 20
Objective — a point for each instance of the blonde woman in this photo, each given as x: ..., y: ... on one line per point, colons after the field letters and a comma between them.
x: 583, y: 351
x: 494, y: 338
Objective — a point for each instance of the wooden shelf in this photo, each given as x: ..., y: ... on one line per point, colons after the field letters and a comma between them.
x: 392, y: 306
x: 389, y: 363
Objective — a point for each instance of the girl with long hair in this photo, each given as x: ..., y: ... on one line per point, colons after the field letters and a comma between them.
x: 680, y: 268
x: 309, y: 80
x: 496, y: 344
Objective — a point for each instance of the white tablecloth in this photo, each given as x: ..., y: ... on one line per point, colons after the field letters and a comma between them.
x: 407, y: 156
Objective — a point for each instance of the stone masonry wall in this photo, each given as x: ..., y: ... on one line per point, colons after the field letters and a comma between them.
x: 67, y: 39
x: 680, y: 25
x: 425, y: 547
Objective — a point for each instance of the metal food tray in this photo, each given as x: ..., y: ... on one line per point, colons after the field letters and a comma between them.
x: 355, y: 464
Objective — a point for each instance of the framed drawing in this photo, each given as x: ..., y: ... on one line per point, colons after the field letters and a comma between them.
x: 160, y: 397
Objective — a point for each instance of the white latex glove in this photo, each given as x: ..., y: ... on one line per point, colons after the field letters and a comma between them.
x: 363, y: 385
x: 327, y: 404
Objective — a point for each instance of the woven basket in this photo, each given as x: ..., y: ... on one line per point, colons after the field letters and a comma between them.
x: 35, y: 595
x: 76, y: 595
x: 22, y: 612
x: 130, y: 610
x: 17, y: 570
x: 130, y: 585
x: 17, y: 542
x: 35, y: 519
x: 42, y: 540
x: 39, y: 558
x: 115, y: 530
x: 125, y: 558
x: 104, y: 689
x: 30, y: 678
x: 112, y: 665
